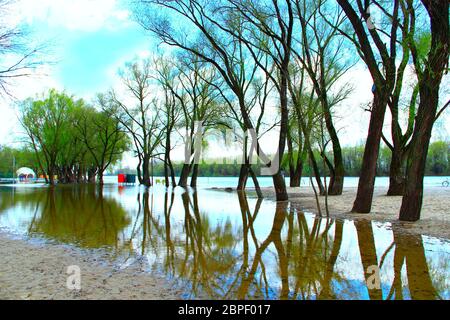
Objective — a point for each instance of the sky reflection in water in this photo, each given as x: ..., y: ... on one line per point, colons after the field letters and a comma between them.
x: 226, y: 246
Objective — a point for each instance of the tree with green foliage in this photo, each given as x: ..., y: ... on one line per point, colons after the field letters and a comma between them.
x: 47, y: 123
x: 102, y: 134
x: 71, y: 138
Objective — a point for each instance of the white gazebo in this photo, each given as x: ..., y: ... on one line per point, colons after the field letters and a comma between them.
x: 25, y: 174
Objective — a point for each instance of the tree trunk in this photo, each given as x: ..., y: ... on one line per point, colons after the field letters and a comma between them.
x: 366, y: 185
x: 294, y: 170
x: 146, y: 172
x: 295, y: 175
x: 91, y: 175
x: 194, y: 176
x: 167, y: 162
x: 280, y: 187
x: 172, y: 174
x: 256, y: 183
x: 278, y: 179
x: 429, y: 84
x: 182, y: 182
x: 316, y: 172
x: 51, y: 176
x: 412, y: 199
x: 396, y: 174
x: 166, y: 172
x: 243, y: 177
x: 100, y: 177
x: 337, y: 183
x: 139, y: 172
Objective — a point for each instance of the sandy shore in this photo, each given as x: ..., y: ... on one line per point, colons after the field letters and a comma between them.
x: 34, y: 271
x: 434, y: 218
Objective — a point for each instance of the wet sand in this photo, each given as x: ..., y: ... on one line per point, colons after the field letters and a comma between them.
x: 434, y: 217
x: 32, y: 271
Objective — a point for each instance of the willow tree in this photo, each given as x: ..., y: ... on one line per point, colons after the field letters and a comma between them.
x: 47, y: 123
x: 102, y: 134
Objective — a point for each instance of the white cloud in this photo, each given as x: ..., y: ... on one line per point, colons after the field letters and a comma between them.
x: 74, y: 15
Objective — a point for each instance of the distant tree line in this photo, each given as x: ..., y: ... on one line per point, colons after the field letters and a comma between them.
x: 438, y: 163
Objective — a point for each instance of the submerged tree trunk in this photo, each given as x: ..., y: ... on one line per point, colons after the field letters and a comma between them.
x: 429, y: 84
x: 364, y: 196
x: 256, y: 183
x: 172, y: 174
x: 243, y: 177
x: 146, y: 172
x: 100, y: 177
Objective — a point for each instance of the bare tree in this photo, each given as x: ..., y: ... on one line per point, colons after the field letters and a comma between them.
x: 19, y: 57
x: 320, y: 55
x: 140, y: 117
x: 171, y: 110
x: 102, y: 134
x: 217, y: 26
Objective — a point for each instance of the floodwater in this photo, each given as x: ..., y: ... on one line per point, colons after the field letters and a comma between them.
x: 217, y: 245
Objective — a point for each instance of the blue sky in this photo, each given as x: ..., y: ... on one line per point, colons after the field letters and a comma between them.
x: 87, y: 50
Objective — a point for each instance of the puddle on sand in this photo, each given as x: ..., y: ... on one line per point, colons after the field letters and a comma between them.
x: 226, y: 246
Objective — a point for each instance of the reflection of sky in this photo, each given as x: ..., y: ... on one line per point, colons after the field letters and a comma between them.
x: 220, y: 207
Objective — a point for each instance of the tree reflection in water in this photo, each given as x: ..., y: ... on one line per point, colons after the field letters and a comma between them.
x: 283, y: 254
x: 296, y: 260
x: 74, y: 214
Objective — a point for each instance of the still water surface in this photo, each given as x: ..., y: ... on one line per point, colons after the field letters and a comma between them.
x: 226, y: 246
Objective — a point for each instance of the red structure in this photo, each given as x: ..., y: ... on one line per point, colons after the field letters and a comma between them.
x: 121, y: 178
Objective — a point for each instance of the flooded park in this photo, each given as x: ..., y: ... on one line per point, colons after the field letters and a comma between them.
x: 215, y: 245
